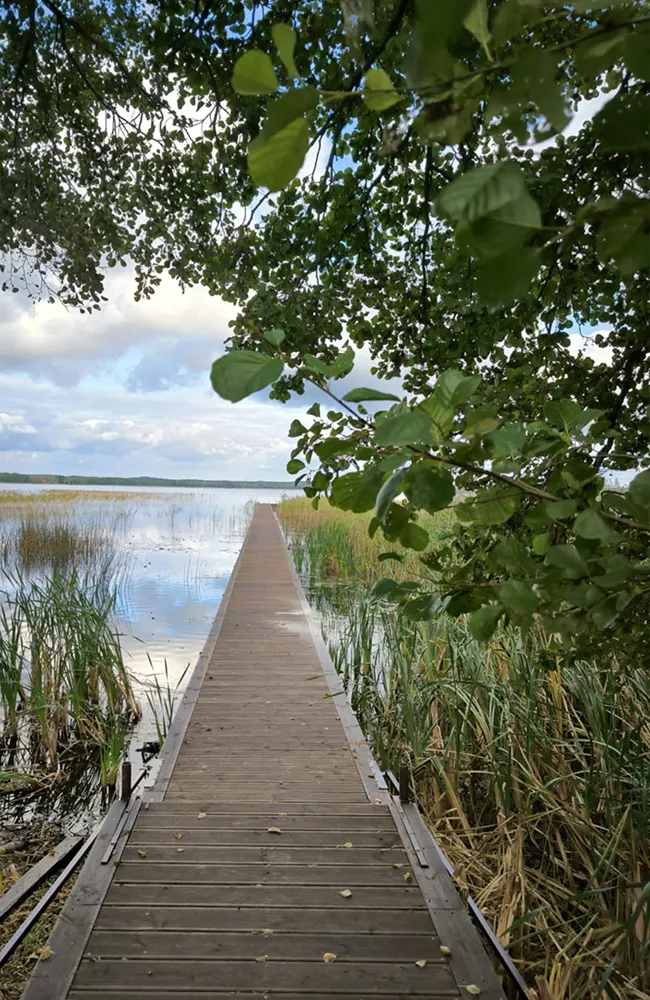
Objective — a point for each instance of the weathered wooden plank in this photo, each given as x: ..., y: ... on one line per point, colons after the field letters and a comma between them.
x: 301, y: 920
x: 233, y: 946
x: 292, y: 896
x: 101, y: 994
x: 203, y: 837
x: 372, y: 978
x: 265, y: 873
x: 216, y: 854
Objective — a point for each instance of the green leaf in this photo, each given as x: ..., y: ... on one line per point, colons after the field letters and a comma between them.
x: 274, y: 337
x: 240, y: 373
x: 274, y: 162
x: 541, y: 544
x: 519, y: 596
x: 413, y: 536
x: 285, y: 42
x: 286, y: 108
x: 511, y: 17
x: 589, y: 524
x: 403, y: 429
x: 508, y: 440
x: 476, y: 22
x: 568, y: 414
x: 422, y: 608
x: 385, y: 589
x: 342, y: 366
x: 395, y: 521
x: 378, y: 91
x: 560, y: 509
x: 624, y: 123
x: 637, y: 53
x: 508, y: 277
x: 331, y: 446
x: 314, y: 410
x: 294, y: 466
x: 490, y: 237
x: 568, y: 558
x: 625, y: 236
x: 429, y: 488
x: 391, y: 488
x: 492, y: 506
x: 368, y: 395
x: 453, y: 388
x: 640, y: 489
x: 484, y: 621
x: 385, y: 556
x: 618, y: 569
x: 482, y: 191
x: 296, y: 429
x: 357, y: 491
x: 254, y: 74
x: 534, y: 74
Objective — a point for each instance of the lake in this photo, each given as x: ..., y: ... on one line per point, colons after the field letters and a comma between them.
x: 175, y: 550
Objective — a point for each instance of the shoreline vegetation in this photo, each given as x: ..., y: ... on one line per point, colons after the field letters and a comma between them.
x: 532, y: 772
x: 203, y: 484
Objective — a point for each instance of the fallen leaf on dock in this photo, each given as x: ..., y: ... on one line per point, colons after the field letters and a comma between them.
x: 474, y: 990
x: 408, y: 877
x: 345, y: 893
x: 329, y: 956
x: 142, y: 854
x: 179, y: 836
x: 267, y: 930
x: 261, y: 958
x: 348, y: 844
x: 444, y: 950
x: 45, y: 953
x: 275, y: 829
x: 421, y: 964
x: 202, y: 815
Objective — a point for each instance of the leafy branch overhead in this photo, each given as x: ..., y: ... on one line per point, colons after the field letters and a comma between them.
x: 513, y: 82
x: 555, y: 541
x: 396, y: 176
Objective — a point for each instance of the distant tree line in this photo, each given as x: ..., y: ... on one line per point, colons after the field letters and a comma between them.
x: 223, y: 484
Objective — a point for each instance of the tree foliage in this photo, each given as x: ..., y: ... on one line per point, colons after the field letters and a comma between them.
x: 419, y: 201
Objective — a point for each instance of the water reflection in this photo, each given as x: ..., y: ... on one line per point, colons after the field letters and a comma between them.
x: 174, y: 555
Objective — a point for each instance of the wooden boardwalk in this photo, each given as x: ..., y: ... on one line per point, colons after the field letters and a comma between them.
x: 267, y: 846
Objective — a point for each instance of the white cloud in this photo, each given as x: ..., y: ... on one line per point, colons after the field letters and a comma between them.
x: 63, y: 345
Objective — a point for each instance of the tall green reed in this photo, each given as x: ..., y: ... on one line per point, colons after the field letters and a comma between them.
x: 62, y: 674
x: 533, y: 772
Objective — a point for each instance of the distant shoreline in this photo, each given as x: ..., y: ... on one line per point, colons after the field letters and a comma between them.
x: 217, y: 484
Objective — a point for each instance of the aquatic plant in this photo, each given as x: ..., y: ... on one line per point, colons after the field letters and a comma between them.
x: 532, y: 770
x: 62, y: 675
x: 162, y: 698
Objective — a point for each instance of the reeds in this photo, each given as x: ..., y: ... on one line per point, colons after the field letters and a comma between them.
x: 62, y: 675
x: 162, y: 698
x: 533, y: 773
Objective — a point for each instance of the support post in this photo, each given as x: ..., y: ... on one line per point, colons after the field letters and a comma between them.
x: 404, y: 783
x: 125, y: 791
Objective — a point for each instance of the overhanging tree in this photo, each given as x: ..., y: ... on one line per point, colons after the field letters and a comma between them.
x: 427, y: 231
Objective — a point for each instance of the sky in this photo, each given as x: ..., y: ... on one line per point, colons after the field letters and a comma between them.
x: 126, y: 392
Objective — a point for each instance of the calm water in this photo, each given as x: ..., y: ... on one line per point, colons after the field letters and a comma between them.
x: 176, y: 550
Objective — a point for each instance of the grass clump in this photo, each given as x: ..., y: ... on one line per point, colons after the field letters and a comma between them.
x: 62, y: 675
x: 334, y: 544
x: 532, y: 771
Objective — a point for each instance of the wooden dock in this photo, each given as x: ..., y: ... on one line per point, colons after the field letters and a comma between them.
x: 268, y: 860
